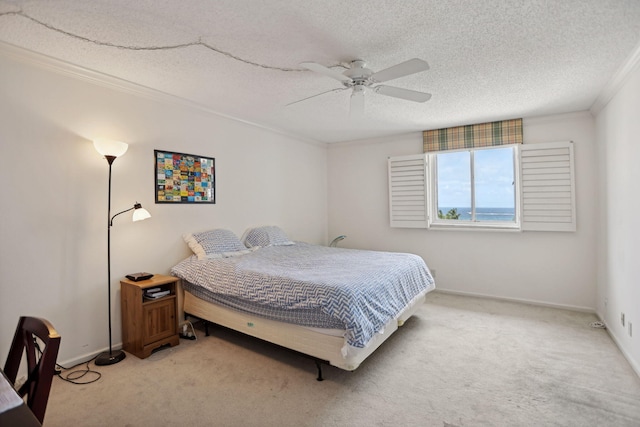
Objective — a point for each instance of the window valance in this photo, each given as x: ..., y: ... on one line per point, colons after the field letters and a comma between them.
x: 473, y: 136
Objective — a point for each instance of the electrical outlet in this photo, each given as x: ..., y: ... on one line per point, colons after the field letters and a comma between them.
x: 630, y: 329
x: 622, y: 319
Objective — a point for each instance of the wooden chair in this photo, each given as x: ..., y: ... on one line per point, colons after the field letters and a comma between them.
x: 41, y: 362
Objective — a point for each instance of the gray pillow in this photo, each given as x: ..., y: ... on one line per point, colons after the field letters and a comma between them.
x: 269, y: 235
x: 217, y: 243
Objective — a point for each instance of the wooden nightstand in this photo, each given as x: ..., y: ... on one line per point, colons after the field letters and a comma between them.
x: 149, y: 323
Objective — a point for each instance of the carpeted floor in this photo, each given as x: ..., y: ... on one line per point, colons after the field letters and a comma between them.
x: 460, y: 361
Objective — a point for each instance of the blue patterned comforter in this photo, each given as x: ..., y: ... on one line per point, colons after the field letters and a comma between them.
x: 362, y: 290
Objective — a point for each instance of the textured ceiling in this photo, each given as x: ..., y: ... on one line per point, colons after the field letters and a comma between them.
x: 489, y: 59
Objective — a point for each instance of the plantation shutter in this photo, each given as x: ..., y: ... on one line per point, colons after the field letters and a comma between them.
x: 548, y: 188
x: 408, y: 191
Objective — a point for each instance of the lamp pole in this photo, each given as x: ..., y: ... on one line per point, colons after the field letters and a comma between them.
x: 111, y: 357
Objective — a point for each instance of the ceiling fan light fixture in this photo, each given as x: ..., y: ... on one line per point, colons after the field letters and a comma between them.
x: 356, y: 109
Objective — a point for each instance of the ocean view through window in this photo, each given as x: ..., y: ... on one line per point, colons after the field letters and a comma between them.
x: 483, y: 214
x: 475, y: 186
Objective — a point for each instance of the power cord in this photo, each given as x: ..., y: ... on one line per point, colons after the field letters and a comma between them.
x: 598, y: 325
x: 186, y: 333
x: 73, y: 376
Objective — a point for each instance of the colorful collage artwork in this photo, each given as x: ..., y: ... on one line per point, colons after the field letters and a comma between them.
x: 184, y: 178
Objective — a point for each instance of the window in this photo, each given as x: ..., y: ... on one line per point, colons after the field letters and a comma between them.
x: 475, y: 187
x: 525, y: 186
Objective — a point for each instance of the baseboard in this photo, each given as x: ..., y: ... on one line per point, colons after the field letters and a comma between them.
x: 519, y: 300
x: 625, y: 353
x: 87, y: 356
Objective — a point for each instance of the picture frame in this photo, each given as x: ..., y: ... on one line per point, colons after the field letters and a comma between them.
x: 184, y: 178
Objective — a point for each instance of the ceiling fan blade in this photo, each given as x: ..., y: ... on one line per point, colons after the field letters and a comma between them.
x: 402, y: 69
x: 356, y: 109
x: 314, y: 66
x: 317, y: 94
x: 409, y: 95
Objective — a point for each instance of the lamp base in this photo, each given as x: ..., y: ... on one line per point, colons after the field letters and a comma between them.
x: 110, y: 357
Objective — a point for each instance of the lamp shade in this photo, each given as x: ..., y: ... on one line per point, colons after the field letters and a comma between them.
x: 110, y: 147
x: 140, y: 213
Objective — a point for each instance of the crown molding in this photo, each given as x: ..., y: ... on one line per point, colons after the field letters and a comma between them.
x: 97, y: 78
x: 617, y: 81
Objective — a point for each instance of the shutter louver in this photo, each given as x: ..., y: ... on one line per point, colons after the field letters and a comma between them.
x: 408, y: 191
x: 548, y: 189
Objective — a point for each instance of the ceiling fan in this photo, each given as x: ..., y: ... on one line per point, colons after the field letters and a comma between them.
x: 361, y: 80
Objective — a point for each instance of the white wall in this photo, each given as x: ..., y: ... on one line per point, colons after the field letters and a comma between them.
x: 552, y: 268
x: 618, y: 139
x: 54, y: 203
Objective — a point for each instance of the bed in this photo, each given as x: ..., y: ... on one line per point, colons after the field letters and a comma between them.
x: 335, y: 305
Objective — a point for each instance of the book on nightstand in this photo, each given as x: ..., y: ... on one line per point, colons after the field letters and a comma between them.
x: 136, y: 277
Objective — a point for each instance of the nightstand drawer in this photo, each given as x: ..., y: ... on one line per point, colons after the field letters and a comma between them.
x: 159, y: 319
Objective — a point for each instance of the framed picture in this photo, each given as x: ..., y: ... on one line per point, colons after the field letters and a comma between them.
x: 184, y: 178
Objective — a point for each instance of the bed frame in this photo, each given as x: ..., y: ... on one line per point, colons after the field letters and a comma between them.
x: 320, y: 346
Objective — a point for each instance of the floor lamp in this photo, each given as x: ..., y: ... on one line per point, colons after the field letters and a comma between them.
x: 111, y: 150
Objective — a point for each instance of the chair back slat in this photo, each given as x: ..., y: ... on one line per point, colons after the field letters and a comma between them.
x: 40, y: 367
